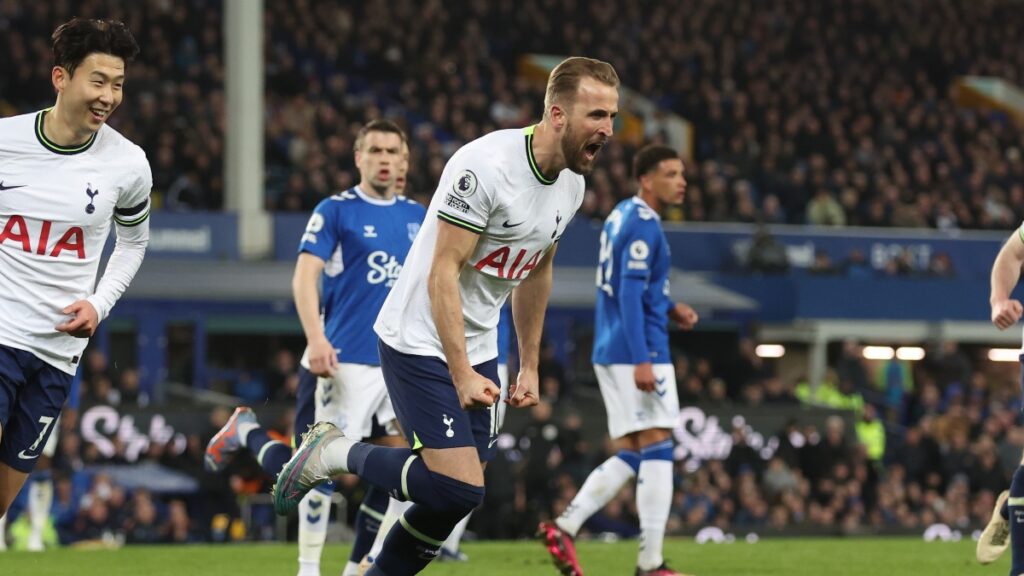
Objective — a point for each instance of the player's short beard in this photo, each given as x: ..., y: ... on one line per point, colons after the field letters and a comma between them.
x: 572, y: 150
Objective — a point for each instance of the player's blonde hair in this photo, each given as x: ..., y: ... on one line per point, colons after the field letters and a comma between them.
x: 565, y: 79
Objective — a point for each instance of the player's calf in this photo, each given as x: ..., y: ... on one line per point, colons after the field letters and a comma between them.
x: 420, y: 533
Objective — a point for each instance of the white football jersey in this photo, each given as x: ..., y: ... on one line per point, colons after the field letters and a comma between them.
x: 56, y: 207
x: 492, y: 187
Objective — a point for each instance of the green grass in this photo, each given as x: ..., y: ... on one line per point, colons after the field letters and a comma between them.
x: 781, y: 557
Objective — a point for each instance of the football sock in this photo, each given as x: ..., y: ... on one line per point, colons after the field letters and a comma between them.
x: 243, y: 431
x: 395, y: 509
x: 314, y: 513
x: 1016, y: 519
x: 653, y: 501
x: 451, y: 544
x: 368, y: 522
x: 601, y: 486
x: 271, y: 454
x: 398, y: 471
x: 3, y: 532
x: 40, y: 499
x: 415, y: 540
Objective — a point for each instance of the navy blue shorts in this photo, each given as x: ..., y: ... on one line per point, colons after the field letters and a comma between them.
x: 428, y: 407
x: 305, y: 403
x: 32, y: 394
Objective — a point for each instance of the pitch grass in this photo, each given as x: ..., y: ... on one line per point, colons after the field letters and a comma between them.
x: 781, y: 557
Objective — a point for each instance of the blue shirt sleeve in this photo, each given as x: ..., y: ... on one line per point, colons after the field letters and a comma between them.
x: 321, y: 235
x: 636, y: 256
x: 74, y: 393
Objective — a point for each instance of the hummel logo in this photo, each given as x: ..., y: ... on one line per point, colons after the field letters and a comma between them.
x: 658, y: 384
x: 2, y: 187
x: 369, y: 231
x: 507, y: 225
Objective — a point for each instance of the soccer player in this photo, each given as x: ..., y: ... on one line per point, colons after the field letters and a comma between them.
x: 1001, y: 532
x: 65, y: 177
x: 451, y: 550
x: 356, y: 242
x: 40, y: 483
x: 500, y: 208
x: 633, y: 366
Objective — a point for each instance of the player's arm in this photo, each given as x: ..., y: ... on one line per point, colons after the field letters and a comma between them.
x: 453, y: 247
x: 1005, y: 274
x: 131, y: 223
x: 322, y: 356
x: 529, y: 302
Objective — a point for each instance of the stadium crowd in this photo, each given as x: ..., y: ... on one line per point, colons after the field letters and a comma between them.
x: 781, y: 134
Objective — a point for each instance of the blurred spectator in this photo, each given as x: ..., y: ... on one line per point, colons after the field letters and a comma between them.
x: 856, y: 265
x: 871, y: 434
x: 823, y: 210
x: 766, y: 254
x: 822, y: 265
x: 941, y: 266
x: 130, y: 394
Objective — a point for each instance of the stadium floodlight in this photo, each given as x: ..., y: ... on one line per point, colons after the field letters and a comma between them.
x: 912, y: 353
x: 1004, y: 354
x: 879, y: 352
x: 770, y: 350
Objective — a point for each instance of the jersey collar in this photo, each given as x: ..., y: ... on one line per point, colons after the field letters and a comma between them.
x: 53, y: 146
x: 528, y: 131
x: 640, y: 201
x: 375, y: 201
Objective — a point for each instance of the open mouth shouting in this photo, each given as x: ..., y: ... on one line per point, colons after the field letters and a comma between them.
x: 590, y: 150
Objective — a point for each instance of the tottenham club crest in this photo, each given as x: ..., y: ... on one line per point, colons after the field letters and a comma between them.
x: 465, y: 184
x: 89, y: 208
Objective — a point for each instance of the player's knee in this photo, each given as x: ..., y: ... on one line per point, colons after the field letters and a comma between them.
x: 454, y: 497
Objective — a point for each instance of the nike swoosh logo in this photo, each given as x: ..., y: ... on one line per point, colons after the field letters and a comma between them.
x: 24, y: 456
x: 507, y: 225
x: 2, y: 187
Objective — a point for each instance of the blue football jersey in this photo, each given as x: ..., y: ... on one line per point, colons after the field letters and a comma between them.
x: 363, y: 242
x: 631, y: 324
x: 504, y: 334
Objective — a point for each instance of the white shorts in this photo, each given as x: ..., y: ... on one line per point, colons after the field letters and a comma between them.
x: 630, y: 410
x: 352, y: 398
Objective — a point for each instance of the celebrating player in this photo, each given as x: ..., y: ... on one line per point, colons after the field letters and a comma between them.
x: 634, y: 370
x: 64, y: 177
x: 356, y: 241
x: 500, y: 208
x: 1001, y: 532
